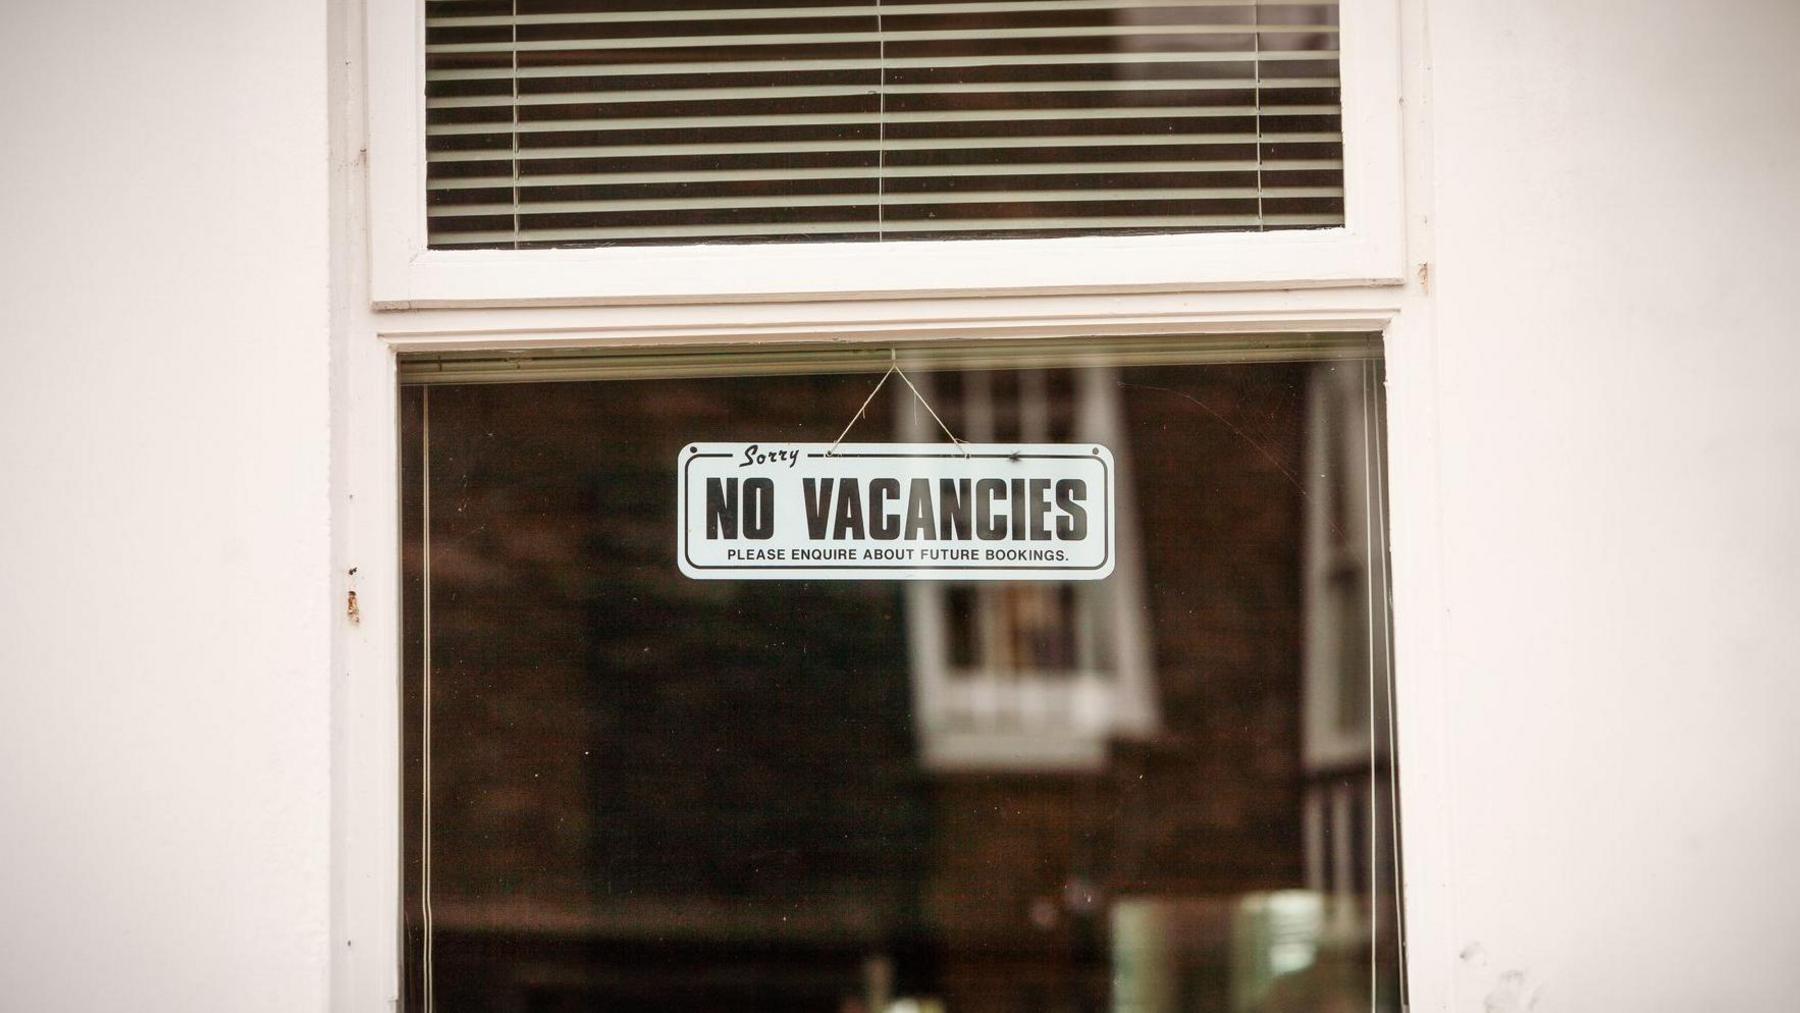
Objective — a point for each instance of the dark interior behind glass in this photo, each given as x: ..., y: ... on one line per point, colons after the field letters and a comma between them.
x: 1164, y: 791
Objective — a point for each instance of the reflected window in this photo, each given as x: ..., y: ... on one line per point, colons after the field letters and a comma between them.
x: 1346, y: 741
x: 1029, y: 675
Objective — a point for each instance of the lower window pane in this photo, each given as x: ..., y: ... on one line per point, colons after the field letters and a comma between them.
x: 1168, y: 790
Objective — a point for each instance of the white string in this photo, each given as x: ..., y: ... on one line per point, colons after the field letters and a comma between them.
x: 881, y: 130
x: 854, y: 419
x: 859, y: 412
x: 1262, y: 223
x: 934, y: 414
x: 515, y: 123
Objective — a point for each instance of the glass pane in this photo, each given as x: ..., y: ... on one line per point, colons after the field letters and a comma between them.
x: 1164, y: 791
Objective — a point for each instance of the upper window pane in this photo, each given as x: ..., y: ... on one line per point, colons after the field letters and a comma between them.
x: 578, y: 123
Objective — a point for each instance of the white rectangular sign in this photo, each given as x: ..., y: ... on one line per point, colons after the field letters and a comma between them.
x: 895, y: 511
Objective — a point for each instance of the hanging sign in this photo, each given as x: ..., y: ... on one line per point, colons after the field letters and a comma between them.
x: 895, y: 511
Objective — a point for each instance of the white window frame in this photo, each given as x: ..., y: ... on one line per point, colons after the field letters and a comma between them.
x: 392, y: 297
x: 1367, y: 249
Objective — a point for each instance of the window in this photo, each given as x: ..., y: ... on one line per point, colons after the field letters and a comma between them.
x: 529, y: 327
x: 557, y: 124
x: 1246, y: 143
x: 626, y: 789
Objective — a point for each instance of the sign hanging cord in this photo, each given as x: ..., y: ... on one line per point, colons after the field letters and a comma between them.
x: 892, y: 370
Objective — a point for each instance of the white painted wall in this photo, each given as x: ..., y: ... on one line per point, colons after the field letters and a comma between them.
x: 164, y: 506
x: 1617, y: 214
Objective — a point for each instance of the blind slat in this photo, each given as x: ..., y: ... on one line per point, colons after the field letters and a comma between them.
x: 753, y: 92
x: 801, y: 64
x: 864, y: 10
x: 873, y: 199
x: 875, y: 144
x: 872, y: 118
x: 1138, y: 222
x: 610, y: 178
x: 894, y: 35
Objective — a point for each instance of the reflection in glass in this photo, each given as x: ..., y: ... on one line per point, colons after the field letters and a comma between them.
x: 1165, y: 791
x: 1035, y: 676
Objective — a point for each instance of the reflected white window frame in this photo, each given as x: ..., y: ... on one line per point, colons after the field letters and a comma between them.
x: 1346, y: 650
x: 1340, y: 454
x: 1027, y: 718
x: 406, y: 273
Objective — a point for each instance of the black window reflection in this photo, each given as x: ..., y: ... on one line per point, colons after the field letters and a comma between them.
x: 1165, y: 791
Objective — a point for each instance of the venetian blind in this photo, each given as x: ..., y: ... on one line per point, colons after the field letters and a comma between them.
x: 589, y: 123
